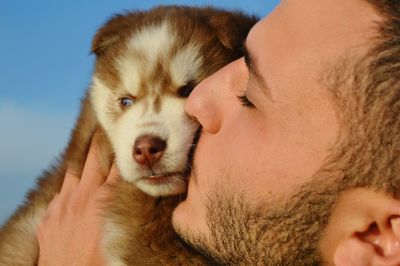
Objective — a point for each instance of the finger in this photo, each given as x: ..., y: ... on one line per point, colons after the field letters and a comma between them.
x: 114, y: 176
x: 93, y: 175
x: 108, y: 187
x: 71, y: 182
x: 53, y: 202
x: 51, y: 206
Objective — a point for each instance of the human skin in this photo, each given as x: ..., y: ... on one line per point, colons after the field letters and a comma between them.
x: 70, y: 233
x: 265, y: 153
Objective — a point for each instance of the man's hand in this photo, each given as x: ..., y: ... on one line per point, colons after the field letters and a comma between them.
x: 71, y: 231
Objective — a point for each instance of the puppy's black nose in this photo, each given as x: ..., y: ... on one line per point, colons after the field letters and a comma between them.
x: 148, y: 149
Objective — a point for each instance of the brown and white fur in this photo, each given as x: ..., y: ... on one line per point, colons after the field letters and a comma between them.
x: 146, y: 65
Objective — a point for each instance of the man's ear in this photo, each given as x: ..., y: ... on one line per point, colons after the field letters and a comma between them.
x: 364, y: 229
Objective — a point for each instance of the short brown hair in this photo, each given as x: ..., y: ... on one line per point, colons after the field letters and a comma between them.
x: 369, y: 109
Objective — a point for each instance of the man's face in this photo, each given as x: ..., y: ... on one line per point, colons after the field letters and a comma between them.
x: 248, y: 158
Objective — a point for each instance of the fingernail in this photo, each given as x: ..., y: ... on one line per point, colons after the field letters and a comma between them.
x: 395, y: 223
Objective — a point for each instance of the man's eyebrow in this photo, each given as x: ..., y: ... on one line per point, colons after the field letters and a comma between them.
x: 249, y: 60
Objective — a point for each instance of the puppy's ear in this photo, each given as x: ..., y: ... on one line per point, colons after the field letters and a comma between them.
x: 107, y: 35
x: 114, y: 30
x: 232, y: 28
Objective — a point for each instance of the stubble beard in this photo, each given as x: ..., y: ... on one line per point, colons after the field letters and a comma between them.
x: 276, y: 232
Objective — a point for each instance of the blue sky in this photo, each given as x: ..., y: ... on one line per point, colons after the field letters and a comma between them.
x: 45, y: 67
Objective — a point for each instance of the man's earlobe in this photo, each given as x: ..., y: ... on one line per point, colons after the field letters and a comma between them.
x: 378, y: 245
x: 364, y: 229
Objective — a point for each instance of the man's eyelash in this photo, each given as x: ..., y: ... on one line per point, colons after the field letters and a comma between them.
x: 245, y: 101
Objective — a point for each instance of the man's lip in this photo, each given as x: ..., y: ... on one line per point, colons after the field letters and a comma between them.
x: 192, y: 150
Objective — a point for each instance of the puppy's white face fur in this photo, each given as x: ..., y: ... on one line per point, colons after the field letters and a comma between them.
x: 150, y: 72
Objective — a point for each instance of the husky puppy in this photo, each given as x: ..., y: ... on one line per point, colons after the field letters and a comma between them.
x: 147, y: 63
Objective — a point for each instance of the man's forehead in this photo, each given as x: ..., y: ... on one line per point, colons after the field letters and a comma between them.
x: 308, y: 34
x: 325, y: 22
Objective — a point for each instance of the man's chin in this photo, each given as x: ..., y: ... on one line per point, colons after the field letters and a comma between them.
x: 190, y: 214
x: 180, y: 223
x: 182, y: 217
x: 196, y: 241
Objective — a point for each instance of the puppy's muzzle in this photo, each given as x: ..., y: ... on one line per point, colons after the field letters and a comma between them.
x: 148, y: 149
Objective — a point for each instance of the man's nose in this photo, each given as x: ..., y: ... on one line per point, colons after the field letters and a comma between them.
x: 148, y: 149
x: 214, y: 97
x: 202, y: 105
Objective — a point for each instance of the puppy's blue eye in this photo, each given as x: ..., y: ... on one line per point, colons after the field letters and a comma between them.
x: 126, y: 101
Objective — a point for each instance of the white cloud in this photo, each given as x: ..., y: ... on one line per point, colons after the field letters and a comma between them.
x: 30, y: 139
